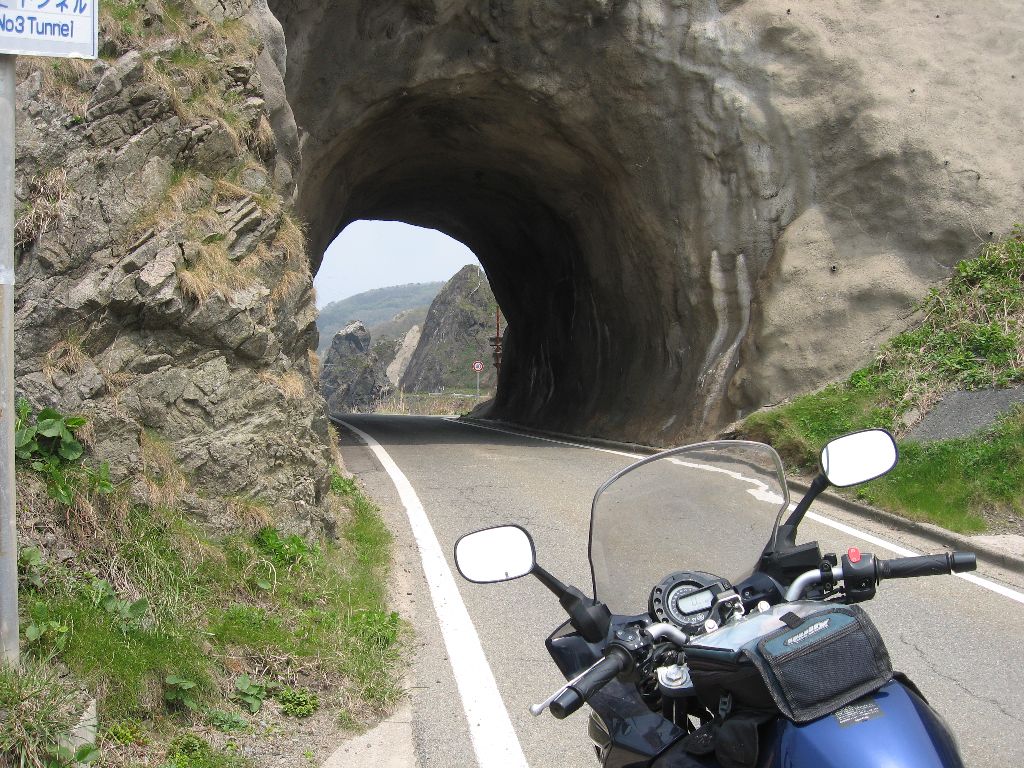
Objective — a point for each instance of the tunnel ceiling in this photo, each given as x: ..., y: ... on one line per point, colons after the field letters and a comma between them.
x: 633, y: 179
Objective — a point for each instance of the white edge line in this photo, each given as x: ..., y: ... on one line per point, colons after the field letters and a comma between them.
x: 494, y: 739
x: 979, y: 581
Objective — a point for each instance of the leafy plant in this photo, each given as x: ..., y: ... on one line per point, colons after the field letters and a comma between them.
x: 181, y: 692
x: 284, y: 550
x: 49, y: 446
x: 50, y: 634
x: 250, y: 693
x: 123, y: 732
x: 226, y: 721
x: 298, y: 702
x: 30, y: 567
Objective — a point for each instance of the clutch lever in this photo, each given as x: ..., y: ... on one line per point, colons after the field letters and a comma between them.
x: 537, y: 709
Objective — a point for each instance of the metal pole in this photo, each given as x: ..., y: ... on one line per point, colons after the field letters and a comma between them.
x: 8, y: 527
x: 478, y: 385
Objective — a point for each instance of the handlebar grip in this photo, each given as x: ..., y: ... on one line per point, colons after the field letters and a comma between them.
x: 575, y: 695
x: 925, y: 565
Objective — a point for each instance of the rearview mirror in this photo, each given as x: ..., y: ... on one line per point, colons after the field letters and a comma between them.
x: 858, y: 457
x: 495, y: 554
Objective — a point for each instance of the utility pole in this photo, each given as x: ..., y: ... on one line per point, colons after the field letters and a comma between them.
x: 496, y: 339
x: 30, y: 36
x: 8, y: 526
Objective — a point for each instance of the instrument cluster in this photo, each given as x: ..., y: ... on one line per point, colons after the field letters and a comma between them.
x: 685, y: 598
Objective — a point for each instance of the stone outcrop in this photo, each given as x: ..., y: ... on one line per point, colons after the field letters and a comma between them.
x: 455, y: 333
x: 162, y: 285
x: 396, y: 368
x: 353, y: 377
x: 686, y: 210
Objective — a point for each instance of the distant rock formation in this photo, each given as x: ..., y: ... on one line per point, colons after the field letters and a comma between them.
x: 455, y: 333
x: 353, y: 377
x: 397, y: 367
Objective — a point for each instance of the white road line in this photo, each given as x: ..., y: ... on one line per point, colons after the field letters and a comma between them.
x: 494, y: 740
x: 979, y: 581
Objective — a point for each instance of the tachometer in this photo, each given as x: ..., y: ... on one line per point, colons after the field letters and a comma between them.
x: 685, y: 598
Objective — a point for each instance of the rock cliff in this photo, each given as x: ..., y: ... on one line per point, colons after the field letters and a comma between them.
x: 353, y: 377
x: 455, y: 333
x: 163, y: 288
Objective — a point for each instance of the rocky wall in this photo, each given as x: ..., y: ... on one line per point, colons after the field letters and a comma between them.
x: 686, y: 209
x: 163, y: 289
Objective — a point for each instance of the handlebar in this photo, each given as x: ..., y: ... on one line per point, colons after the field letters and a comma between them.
x: 577, y: 691
x: 925, y: 565
x: 897, y: 568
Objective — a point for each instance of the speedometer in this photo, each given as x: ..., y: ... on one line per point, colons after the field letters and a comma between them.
x: 685, y: 599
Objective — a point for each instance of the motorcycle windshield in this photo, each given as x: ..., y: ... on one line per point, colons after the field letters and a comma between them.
x: 709, y: 507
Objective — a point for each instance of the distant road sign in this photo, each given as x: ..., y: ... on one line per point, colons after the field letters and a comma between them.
x: 478, y: 365
x: 49, y: 27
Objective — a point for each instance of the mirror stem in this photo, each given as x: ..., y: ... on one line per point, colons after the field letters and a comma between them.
x: 588, y: 617
x: 787, y: 531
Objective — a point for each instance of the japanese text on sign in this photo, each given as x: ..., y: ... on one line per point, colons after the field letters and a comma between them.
x: 49, y: 27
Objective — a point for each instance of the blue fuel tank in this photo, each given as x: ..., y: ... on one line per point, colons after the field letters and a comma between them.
x: 892, y: 728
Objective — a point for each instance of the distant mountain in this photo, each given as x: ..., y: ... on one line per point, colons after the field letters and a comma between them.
x: 373, y: 308
x: 455, y: 333
x: 399, y: 325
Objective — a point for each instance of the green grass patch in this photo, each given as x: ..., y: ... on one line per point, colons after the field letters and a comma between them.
x: 272, y: 601
x: 948, y: 482
x: 971, y: 336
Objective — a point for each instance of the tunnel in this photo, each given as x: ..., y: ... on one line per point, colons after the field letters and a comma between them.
x: 621, y: 240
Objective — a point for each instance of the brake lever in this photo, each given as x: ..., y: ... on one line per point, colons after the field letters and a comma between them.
x: 537, y: 709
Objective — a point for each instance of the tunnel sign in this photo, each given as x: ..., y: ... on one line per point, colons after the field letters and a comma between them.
x: 478, y: 365
x: 49, y: 27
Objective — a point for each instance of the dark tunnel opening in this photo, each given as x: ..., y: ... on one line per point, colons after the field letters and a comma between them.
x: 537, y: 206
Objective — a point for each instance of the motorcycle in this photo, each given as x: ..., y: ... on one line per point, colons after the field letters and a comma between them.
x: 752, y: 651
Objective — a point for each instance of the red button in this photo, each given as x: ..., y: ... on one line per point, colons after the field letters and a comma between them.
x: 854, y: 554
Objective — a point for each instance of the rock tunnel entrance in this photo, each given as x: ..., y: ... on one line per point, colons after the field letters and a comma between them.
x: 623, y: 190
x: 536, y: 206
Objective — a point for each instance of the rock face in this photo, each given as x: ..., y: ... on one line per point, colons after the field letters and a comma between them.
x: 162, y: 286
x: 686, y: 210
x: 455, y: 333
x: 396, y: 368
x: 353, y: 377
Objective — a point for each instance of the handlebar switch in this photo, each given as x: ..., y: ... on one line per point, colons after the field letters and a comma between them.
x: 859, y: 576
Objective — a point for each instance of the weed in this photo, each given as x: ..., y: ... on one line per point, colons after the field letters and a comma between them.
x: 226, y: 722
x: 180, y: 692
x: 124, y: 732
x: 43, y: 209
x: 283, y: 550
x: 30, y: 567
x: 298, y: 702
x: 249, y: 693
x: 191, y: 751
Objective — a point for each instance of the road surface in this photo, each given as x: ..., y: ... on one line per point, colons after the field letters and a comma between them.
x: 961, y: 642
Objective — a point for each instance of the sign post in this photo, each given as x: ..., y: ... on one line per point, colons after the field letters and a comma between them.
x: 478, y: 365
x: 66, y: 28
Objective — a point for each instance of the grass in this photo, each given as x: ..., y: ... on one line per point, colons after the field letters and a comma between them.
x: 269, y: 604
x: 958, y: 484
x: 39, y: 708
x: 971, y: 336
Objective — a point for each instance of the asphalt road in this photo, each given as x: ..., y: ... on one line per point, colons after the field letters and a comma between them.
x: 961, y: 643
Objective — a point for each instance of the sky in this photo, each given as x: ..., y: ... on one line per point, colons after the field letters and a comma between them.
x: 377, y: 254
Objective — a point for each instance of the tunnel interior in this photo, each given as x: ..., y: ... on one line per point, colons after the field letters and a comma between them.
x: 536, y: 204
